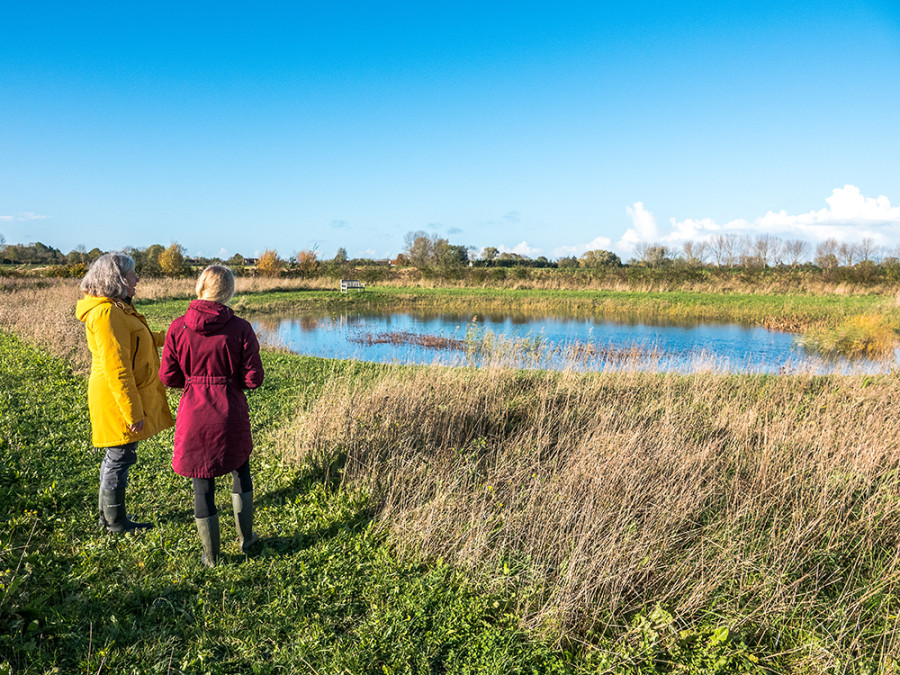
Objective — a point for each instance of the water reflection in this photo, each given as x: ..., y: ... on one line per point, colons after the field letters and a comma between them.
x: 522, y: 341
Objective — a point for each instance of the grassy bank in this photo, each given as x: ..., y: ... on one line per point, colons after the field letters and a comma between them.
x: 791, y: 311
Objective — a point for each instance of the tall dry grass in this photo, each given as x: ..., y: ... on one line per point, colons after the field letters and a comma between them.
x: 169, y: 289
x: 777, y: 282
x: 770, y: 502
x: 42, y: 311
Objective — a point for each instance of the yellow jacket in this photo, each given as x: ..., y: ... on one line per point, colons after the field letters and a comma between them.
x: 124, y: 386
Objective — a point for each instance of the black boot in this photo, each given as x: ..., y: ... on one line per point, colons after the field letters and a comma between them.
x: 112, y: 513
x: 209, y: 539
x: 242, y: 503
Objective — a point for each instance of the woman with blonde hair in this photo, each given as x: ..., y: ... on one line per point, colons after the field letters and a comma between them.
x: 127, y: 403
x: 214, y: 355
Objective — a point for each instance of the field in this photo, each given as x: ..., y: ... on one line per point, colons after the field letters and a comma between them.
x: 436, y: 520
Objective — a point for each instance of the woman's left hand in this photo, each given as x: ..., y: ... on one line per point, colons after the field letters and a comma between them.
x: 136, y: 427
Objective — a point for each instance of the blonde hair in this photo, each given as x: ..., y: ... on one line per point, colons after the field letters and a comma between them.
x: 106, y: 276
x: 216, y: 283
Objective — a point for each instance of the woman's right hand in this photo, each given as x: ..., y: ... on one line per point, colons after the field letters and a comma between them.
x: 136, y: 427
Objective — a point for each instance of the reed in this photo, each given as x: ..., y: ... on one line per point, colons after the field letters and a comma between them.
x: 42, y: 312
x: 767, y: 502
x: 862, y: 335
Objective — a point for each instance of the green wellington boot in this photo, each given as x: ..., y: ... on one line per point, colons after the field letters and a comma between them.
x: 209, y: 539
x: 242, y: 503
x: 112, y: 513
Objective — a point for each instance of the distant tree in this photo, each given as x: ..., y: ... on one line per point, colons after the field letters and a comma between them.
x: 794, y: 251
x: 653, y: 255
x: 766, y: 250
x: 307, y: 262
x: 151, y: 259
x: 450, y: 255
x: 567, y: 262
x: 489, y: 253
x: 598, y: 259
x: 847, y: 254
x: 340, y: 257
x: 237, y: 260
x: 423, y: 250
x: 826, y: 254
x: 77, y: 255
x: 510, y: 258
x: 694, y: 253
x: 36, y: 254
x: 868, y: 250
x: 94, y: 253
x: 269, y: 264
x: 171, y: 260
x: 725, y: 249
x: 419, y: 248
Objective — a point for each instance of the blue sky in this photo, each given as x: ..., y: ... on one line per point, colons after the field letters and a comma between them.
x: 543, y: 128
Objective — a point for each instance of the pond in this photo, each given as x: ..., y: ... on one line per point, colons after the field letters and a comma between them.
x: 547, y: 342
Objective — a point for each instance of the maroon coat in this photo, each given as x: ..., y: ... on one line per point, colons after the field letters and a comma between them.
x: 213, y: 355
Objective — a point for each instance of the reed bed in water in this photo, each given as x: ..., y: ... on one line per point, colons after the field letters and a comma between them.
x: 770, y: 503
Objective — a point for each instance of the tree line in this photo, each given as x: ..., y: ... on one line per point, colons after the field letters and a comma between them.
x: 433, y: 254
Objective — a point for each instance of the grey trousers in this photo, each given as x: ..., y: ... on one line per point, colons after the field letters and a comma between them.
x: 115, y: 465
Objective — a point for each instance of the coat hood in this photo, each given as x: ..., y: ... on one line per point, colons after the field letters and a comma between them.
x: 206, y: 316
x: 89, y: 302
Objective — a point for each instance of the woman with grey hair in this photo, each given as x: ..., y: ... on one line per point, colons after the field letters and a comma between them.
x: 127, y: 402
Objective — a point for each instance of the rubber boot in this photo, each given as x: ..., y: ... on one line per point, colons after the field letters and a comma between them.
x: 242, y: 503
x: 209, y: 539
x: 112, y: 513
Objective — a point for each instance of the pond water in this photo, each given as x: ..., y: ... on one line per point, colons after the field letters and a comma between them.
x: 547, y: 342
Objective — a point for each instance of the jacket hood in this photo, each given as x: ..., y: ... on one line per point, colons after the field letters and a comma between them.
x: 89, y: 302
x: 206, y: 316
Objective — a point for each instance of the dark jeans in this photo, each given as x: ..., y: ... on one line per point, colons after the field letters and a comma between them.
x: 115, y: 465
x: 205, y: 490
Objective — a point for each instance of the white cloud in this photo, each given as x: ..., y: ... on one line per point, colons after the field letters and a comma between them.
x: 23, y: 217
x: 223, y: 254
x: 523, y: 248
x: 28, y: 215
x: 643, y: 227
x: 602, y: 243
x: 848, y: 216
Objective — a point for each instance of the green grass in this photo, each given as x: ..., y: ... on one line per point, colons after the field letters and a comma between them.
x: 324, y: 593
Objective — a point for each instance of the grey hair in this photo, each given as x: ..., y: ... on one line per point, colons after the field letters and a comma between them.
x: 106, y: 276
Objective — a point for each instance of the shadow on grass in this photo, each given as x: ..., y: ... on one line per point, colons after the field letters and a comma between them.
x: 269, y: 547
x: 326, y: 474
